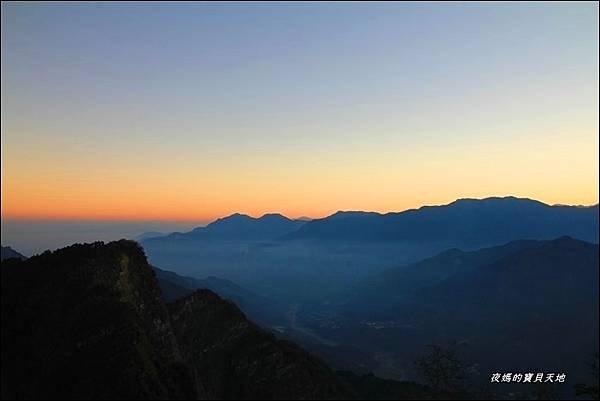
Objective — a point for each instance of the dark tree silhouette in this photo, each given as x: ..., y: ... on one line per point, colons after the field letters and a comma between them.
x: 443, y: 369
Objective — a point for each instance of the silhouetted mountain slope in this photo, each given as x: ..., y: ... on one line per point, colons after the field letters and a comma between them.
x: 465, y: 222
x: 7, y: 253
x: 548, y: 278
x: 258, y: 308
x: 400, y: 282
x: 240, y: 227
x: 525, y: 305
x: 234, y: 358
x: 224, y: 288
x: 457, y: 273
x: 172, y: 291
x: 89, y: 321
x: 537, y: 306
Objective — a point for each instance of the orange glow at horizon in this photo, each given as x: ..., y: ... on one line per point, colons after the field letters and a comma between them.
x: 366, y: 179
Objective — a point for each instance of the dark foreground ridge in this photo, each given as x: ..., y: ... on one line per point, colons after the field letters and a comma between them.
x: 233, y: 358
x: 89, y: 321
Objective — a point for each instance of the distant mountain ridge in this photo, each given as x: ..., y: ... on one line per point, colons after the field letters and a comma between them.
x: 241, y: 227
x: 149, y: 234
x: 464, y: 223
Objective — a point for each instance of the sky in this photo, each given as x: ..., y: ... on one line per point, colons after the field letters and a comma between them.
x: 191, y: 111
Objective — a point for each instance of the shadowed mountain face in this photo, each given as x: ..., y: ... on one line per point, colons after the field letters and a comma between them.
x: 260, y: 309
x: 526, y: 305
x: 537, y: 306
x: 8, y: 252
x: 563, y: 269
x: 187, y: 285
x: 399, y: 283
x: 466, y: 223
x: 233, y: 358
x: 89, y: 321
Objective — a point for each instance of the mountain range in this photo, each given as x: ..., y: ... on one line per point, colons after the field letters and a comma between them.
x: 310, y: 261
x: 464, y: 222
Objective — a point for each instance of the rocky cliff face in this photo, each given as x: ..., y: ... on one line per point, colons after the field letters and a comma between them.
x: 89, y: 321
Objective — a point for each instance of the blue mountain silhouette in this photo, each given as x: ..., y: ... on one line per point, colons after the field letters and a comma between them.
x: 465, y: 223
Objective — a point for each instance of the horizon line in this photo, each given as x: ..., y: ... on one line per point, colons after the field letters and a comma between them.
x: 132, y: 219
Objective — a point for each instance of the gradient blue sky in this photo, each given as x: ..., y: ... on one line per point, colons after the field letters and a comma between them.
x: 190, y: 111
